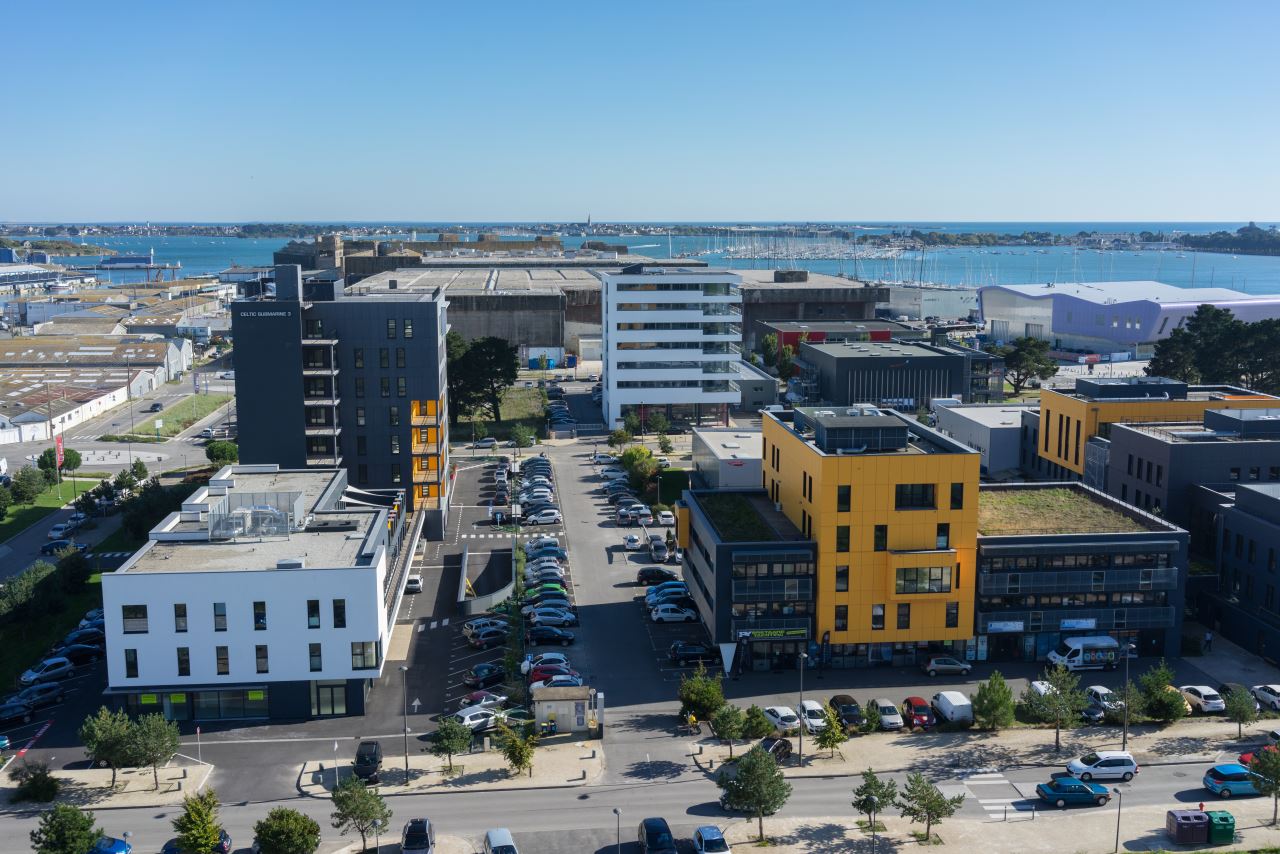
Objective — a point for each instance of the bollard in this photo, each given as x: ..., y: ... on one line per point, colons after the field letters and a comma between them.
x: 1006, y: 812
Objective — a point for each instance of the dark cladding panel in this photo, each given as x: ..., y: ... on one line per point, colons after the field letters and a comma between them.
x: 268, y: 362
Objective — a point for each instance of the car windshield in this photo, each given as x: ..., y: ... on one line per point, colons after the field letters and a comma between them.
x: 920, y: 710
x: 888, y: 710
x: 1106, y: 696
x: 1212, y: 698
x: 850, y: 709
x: 504, y: 849
x: 714, y: 845
x: 813, y: 713
x: 1090, y: 759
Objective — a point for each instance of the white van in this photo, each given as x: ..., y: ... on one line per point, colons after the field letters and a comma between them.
x: 952, y: 706
x: 1093, y: 652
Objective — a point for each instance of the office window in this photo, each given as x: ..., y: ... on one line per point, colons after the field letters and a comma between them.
x: 259, y: 616
x: 131, y: 664
x: 957, y: 496
x: 384, y: 386
x: 877, y: 618
x: 364, y: 655
x: 842, y: 499
x: 1255, y: 473
x: 922, y: 579
x: 339, y: 613
x: 1129, y: 468
x: 391, y: 328
x: 943, y: 540
x: 362, y: 446
x: 1239, y: 545
x: 395, y: 473
x: 358, y: 354
x: 1271, y: 560
x: 384, y: 358
x: 914, y: 496
x: 180, y: 617
x: 395, y: 444
x: 953, y: 615
x: 313, y: 652
x: 184, y: 661
x: 842, y: 579
x: 881, y: 538
x: 362, y: 473
x: 135, y: 619
x: 904, y: 615
x: 260, y: 656
x: 842, y: 618
x: 1234, y: 474
x: 359, y: 386
x: 842, y: 538
x: 402, y: 387
x: 313, y: 613
x: 223, y: 658
x: 1253, y: 550
x: 359, y: 416
x: 399, y: 357
x: 393, y: 414
x: 408, y: 327
x: 1270, y: 599
x: 1124, y: 492
x: 219, y: 616
x: 1273, y: 473
x: 1160, y: 475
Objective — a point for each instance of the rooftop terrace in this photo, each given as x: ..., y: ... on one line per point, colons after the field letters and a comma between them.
x: 1057, y: 509
x: 746, y: 517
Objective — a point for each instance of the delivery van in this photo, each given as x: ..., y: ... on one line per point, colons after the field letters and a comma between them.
x: 1093, y: 652
x: 953, y: 707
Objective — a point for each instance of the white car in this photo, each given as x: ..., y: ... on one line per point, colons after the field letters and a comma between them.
x: 631, y: 542
x: 782, y: 718
x: 890, y: 717
x: 810, y: 712
x: 667, y: 613
x: 594, y: 378
x: 664, y: 463
x: 413, y: 584
x: 483, y: 700
x: 544, y: 517
x: 227, y: 375
x: 611, y: 472
x: 552, y: 658
x: 478, y: 718
x: 1104, y: 765
x: 482, y: 623
x: 541, y: 564
x: 1105, y: 697
x: 62, y: 530
x: 603, y: 459
x: 1267, y: 695
x: 1043, y: 689
x: 1203, y: 699
x: 667, y: 518
x: 561, y: 681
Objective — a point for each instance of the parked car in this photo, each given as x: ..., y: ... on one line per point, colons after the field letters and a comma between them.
x: 478, y: 718
x: 1267, y: 695
x: 40, y: 694
x: 80, y: 654
x: 499, y: 841
x: 631, y: 543
x: 667, y: 518
x: 111, y: 845
x: 52, y: 668
x: 848, y: 710
x: 544, y: 517
x: 890, y: 719
x: 1227, y: 687
x: 1105, y: 697
x: 917, y: 714
x: 156, y: 407
x: 779, y: 747
x: 557, y: 682
x: 812, y: 716
x: 546, y: 671
x: 686, y: 652
x: 541, y: 541
x: 546, y: 551
x: 548, y: 635
x: 418, y: 837
x: 952, y: 707
x: 1093, y: 713
x: 943, y: 664
x: 1064, y: 791
x: 14, y: 711
x: 654, y: 835
x: 1104, y: 765
x: 709, y: 840
x: 481, y: 623
x: 483, y: 699
x: 669, y: 613
x: 1230, y: 779
x: 58, y: 546
x: 670, y: 596
x: 553, y: 617
x: 484, y: 675
x: 676, y: 556
x: 89, y: 636
x: 549, y: 658
x: 651, y: 593
x: 486, y: 442
x: 413, y: 584
x: 368, y: 761
x: 222, y: 846
x: 658, y: 552
x: 601, y: 459
x: 1247, y: 757
x: 1203, y: 699
x: 782, y: 718
x: 490, y: 637
x: 62, y: 530
x: 655, y: 575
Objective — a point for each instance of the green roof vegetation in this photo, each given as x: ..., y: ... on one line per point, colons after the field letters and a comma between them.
x: 735, y: 519
x: 1052, y: 510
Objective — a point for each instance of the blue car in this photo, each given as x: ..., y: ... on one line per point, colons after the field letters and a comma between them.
x: 1230, y: 779
x: 111, y: 845
x: 1064, y: 791
x: 550, y: 551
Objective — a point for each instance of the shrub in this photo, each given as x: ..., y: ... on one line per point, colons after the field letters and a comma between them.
x: 34, y: 782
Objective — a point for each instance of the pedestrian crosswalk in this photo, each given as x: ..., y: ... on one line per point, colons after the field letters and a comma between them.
x: 993, y: 792
x: 523, y: 535
x: 112, y: 555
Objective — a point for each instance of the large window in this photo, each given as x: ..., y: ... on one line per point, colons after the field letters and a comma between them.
x: 339, y: 613
x: 391, y: 328
x: 135, y: 619
x: 219, y: 616
x: 881, y: 538
x: 313, y: 613
x: 923, y: 579
x: 260, y: 656
x: 384, y: 358
x: 364, y: 655
x: 259, y: 616
x: 953, y: 615
x: 184, y: 661
x: 408, y: 327
x: 842, y: 499
x: 842, y: 618
x: 359, y: 357
x: 914, y: 496
x: 957, y: 496
x: 904, y: 615
x: 131, y: 664
x: 180, y: 617
x: 944, y: 536
x: 877, y: 618
x: 842, y: 579
x: 842, y: 538
x: 223, y: 656
x: 317, y: 663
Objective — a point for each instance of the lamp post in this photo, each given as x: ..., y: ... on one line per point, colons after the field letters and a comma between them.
x: 1124, y: 739
x: 404, y: 690
x: 804, y: 656
x: 617, y: 814
x: 875, y: 840
x: 1119, y: 808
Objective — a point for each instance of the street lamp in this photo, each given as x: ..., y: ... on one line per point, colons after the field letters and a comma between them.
x: 875, y: 841
x: 804, y: 656
x: 404, y: 690
x: 617, y: 814
x: 1124, y: 739
x: 1119, y: 807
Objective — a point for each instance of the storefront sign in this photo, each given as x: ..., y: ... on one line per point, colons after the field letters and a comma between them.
x: 997, y: 626
x: 148, y: 699
x: 1083, y: 623
x: 177, y: 698
x: 255, y: 695
x: 774, y: 634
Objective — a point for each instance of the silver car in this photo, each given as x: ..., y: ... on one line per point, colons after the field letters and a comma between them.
x: 890, y: 717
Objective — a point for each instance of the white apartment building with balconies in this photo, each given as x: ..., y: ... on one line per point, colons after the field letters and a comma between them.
x: 672, y: 338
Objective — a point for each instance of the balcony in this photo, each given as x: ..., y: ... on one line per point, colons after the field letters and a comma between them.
x: 426, y: 475
x: 315, y: 370
x: 722, y: 329
x: 320, y: 398
x: 327, y: 459
x: 319, y: 340
x: 424, y: 420
x: 724, y: 348
x: 322, y: 430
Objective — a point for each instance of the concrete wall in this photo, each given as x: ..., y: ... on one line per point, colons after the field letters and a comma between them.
x: 999, y: 445
x: 533, y: 319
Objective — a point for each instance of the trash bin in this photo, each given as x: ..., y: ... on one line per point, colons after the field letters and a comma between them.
x: 1222, y: 826
x: 1187, y: 827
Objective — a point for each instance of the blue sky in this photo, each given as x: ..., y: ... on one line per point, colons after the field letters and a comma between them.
x: 686, y: 110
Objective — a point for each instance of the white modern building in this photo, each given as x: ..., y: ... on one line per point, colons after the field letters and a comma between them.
x: 728, y: 458
x: 271, y: 594
x: 672, y: 338
x: 993, y: 430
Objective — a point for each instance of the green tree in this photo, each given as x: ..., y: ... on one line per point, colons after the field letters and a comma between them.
x: 221, y: 452
x: 27, y: 485
x: 1241, y: 709
x: 631, y: 423
x: 755, y: 724
x: 1266, y: 764
x: 33, y: 782
x: 1175, y: 357
x: 521, y: 435
x: 47, y: 461
x: 286, y: 831
x: 542, y: 363
x: 831, y: 736
x: 993, y: 704
x: 664, y: 444
x: 769, y: 348
x: 124, y: 480
x: 618, y: 438
x: 786, y: 363
x: 728, y: 722
x: 197, y: 825
x: 874, y: 796
x: 356, y: 807
x: 489, y: 367
x: 154, y: 741
x: 757, y: 786
x: 1160, y: 703
x: 700, y: 693
x: 464, y: 391
x: 65, y: 830
x: 450, y: 738
x: 871, y: 715
x: 1025, y: 359
x: 139, y: 471
x: 6, y: 501
x: 1131, y: 698
x: 922, y: 801
x: 107, y: 737
x: 1063, y: 701
x: 517, y: 748
x: 658, y: 422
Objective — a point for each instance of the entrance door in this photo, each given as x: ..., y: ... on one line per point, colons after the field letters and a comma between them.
x: 328, y: 699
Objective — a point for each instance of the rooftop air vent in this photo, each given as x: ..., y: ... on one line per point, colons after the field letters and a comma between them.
x: 291, y: 563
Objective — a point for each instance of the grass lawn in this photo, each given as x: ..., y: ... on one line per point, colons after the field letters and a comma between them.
x: 735, y: 518
x: 19, y: 518
x: 183, y: 414
x: 118, y: 541
x: 520, y: 405
x: 1050, y: 510
x: 24, y: 648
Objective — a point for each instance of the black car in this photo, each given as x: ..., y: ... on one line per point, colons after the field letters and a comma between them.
x: 485, y: 675
x: 650, y: 575
x: 368, y: 761
x: 500, y: 499
x: 683, y: 652
x: 848, y: 710
x: 539, y: 635
x: 79, y: 654
x: 1227, y: 687
x: 56, y: 546
x: 40, y: 694
x: 222, y: 846
x: 14, y: 711
x: 156, y: 407
x: 87, y: 637
x: 779, y: 747
x: 1094, y: 713
x: 654, y: 835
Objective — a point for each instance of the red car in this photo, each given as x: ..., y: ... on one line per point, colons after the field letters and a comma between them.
x: 917, y: 714
x: 546, y: 671
x: 1246, y: 758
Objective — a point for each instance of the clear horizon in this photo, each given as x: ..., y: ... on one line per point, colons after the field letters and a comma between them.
x: 665, y: 113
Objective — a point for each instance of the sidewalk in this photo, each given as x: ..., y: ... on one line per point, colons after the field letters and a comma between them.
x: 89, y: 788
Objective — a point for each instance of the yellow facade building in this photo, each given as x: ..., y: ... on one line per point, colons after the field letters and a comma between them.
x: 893, y: 507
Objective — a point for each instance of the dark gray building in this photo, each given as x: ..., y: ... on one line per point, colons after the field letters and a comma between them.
x: 751, y: 573
x: 1057, y: 560
x: 354, y: 377
x: 1244, y: 607
x: 901, y: 374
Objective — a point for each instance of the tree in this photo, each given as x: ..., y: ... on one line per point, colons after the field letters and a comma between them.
x: 542, y: 363
x: 1241, y: 709
x: 769, y: 348
x: 922, y: 801
x: 124, y: 480
x: 618, y: 438
x: 993, y: 704
x: 832, y: 735
x: 1175, y: 357
x: 464, y: 392
x: 1025, y: 359
x: 48, y: 460
x: 488, y: 368
x: 359, y: 808
x: 286, y: 831
x: 700, y: 694
x: 6, y: 501
x: 517, y: 749
x: 755, y: 724
x: 1160, y: 703
x: 757, y: 787
x: 873, y: 796
x: 139, y: 471
x: 65, y: 830
x: 728, y: 722
x: 221, y: 452
x: 197, y: 825
x: 1063, y: 700
x: 871, y: 713
x: 664, y: 444
x: 154, y: 741
x: 1266, y: 764
x: 786, y: 363
x: 27, y: 485
x: 658, y: 422
x: 70, y: 459
x: 451, y: 737
x: 521, y: 435
x: 107, y: 737
x: 631, y: 423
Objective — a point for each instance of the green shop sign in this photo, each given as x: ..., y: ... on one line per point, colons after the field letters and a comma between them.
x: 774, y: 634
